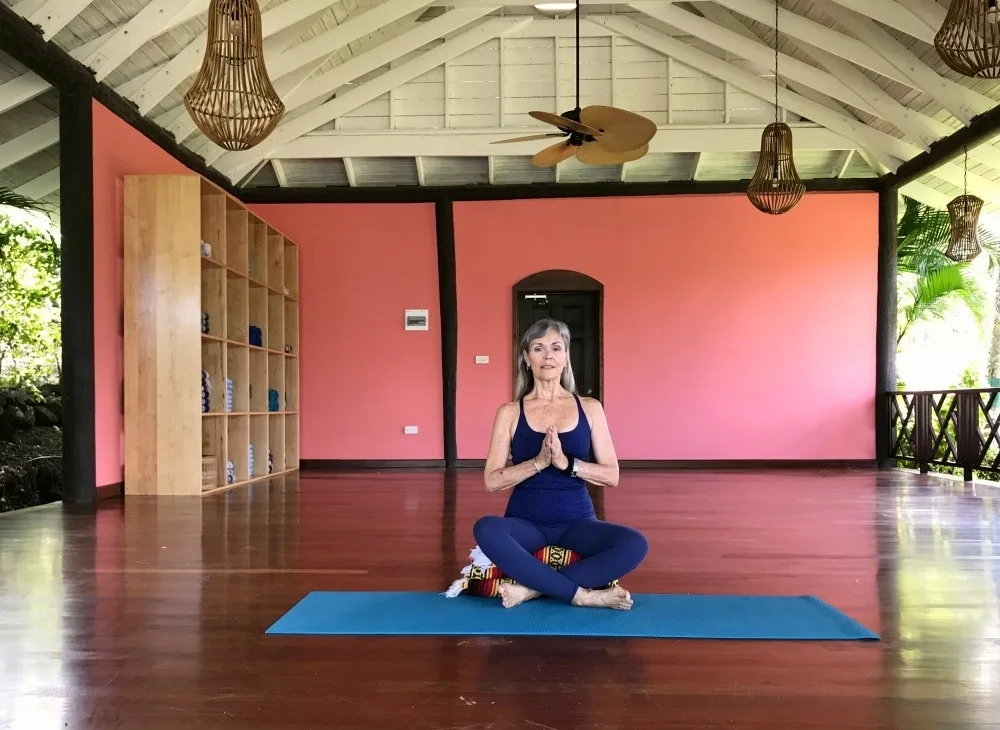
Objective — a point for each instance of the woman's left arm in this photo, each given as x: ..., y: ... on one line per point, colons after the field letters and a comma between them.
x: 603, y: 473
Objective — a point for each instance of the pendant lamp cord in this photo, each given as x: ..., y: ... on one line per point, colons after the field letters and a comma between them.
x: 578, y: 55
x: 774, y: 161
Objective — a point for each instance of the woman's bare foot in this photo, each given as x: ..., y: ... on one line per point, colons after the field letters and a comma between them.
x: 617, y: 598
x: 513, y: 593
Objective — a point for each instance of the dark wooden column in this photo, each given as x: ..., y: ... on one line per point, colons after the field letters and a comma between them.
x: 448, y: 297
x: 885, y: 328
x: 76, y: 184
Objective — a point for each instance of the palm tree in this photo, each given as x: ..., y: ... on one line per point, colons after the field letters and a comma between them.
x: 930, y: 283
x: 11, y: 199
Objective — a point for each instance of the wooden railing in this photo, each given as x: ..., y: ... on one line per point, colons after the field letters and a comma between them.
x: 948, y: 428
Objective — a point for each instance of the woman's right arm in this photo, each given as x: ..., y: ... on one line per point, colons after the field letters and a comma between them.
x: 498, y: 475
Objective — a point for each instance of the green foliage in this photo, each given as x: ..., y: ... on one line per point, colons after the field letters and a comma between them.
x: 11, y: 199
x: 30, y: 321
x: 930, y: 283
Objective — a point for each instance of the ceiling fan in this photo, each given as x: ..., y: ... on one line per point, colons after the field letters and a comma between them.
x: 597, y: 135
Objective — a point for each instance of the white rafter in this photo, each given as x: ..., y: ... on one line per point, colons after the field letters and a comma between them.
x: 54, y: 15
x: 480, y: 142
x: 893, y: 14
x: 43, y: 185
x: 961, y: 102
x: 726, y: 71
x: 231, y: 163
x: 125, y: 40
x: 725, y: 18
x: 29, y: 85
x: 290, y: 69
x: 30, y: 143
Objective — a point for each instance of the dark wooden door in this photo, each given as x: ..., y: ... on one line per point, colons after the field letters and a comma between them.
x: 581, y: 312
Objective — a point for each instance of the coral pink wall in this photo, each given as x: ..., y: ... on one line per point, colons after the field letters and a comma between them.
x: 728, y: 334
x: 363, y: 377
x: 119, y: 150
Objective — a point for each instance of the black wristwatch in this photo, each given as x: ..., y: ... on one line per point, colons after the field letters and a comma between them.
x: 570, y: 467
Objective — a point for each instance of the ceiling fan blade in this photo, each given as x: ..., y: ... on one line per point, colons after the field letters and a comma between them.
x: 621, y: 130
x: 529, y: 138
x: 595, y: 153
x: 563, y: 123
x: 552, y: 156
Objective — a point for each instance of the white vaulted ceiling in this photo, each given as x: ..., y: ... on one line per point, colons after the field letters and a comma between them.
x: 413, y: 92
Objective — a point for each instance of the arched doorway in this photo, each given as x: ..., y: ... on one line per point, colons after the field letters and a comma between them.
x: 577, y: 300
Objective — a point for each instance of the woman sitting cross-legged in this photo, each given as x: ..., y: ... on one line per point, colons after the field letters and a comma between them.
x: 549, y: 432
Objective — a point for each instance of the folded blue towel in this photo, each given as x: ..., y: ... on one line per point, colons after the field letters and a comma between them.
x: 256, y: 336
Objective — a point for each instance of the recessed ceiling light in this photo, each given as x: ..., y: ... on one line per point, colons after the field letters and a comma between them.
x: 554, y: 7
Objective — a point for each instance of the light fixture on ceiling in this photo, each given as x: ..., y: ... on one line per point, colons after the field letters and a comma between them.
x: 232, y: 100
x: 969, y: 38
x: 775, y: 187
x: 963, y: 212
x: 555, y: 7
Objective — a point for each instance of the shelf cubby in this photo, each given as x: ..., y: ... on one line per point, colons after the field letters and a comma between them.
x: 276, y: 441
x: 291, y: 442
x: 237, y: 239
x: 291, y: 254
x: 275, y: 313
x: 238, y: 447
x: 275, y: 383
x: 238, y: 375
x: 275, y: 262
x: 237, y: 308
x: 187, y: 240
x: 213, y: 300
x: 258, y: 381
x: 291, y: 323
x: 259, y: 315
x: 259, y: 438
x: 291, y: 385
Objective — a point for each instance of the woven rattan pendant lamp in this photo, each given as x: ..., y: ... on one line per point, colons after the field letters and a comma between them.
x: 775, y: 187
x: 232, y: 100
x: 969, y: 39
x: 963, y: 212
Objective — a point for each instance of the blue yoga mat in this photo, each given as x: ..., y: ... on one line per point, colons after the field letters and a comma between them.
x: 670, y: 616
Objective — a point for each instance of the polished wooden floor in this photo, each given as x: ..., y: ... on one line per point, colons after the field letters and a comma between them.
x: 152, y: 614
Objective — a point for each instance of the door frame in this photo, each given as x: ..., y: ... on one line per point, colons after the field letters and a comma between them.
x: 560, y: 281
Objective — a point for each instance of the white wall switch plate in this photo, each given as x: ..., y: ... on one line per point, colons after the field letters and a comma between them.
x: 409, y: 429
x: 482, y: 359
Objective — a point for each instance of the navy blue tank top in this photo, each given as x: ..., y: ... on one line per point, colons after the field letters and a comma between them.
x: 550, y: 497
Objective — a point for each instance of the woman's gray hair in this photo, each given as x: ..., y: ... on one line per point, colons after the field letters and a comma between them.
x: 524, y: 381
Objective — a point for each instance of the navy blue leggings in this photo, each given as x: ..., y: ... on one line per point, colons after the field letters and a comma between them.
x: 608, y: 551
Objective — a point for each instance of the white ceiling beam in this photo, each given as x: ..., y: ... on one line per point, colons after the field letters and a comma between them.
x: 55, y: 15
x: 28, y: 144
x: 754, y: 50
x: 928, y: 11
x: 41, y: 186
x: 232, y: 162
x: 725, y: 18
x: 723, y: 70
x: 673, y: 138
x: 830, y: 39
x: 893, y: 14
x: 127, y: 38
x: 187, y: 62
x: 843, y: 162
x: 279, y: 173
x: 290, y: 69
x: 29, y: 85
x: 961, y: 102
x: 866, y: 136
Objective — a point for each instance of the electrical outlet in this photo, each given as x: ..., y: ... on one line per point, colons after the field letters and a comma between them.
x: 482, y: 359
x: 409, y: 429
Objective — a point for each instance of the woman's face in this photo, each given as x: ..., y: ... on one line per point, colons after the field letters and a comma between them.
x: 547, y: 356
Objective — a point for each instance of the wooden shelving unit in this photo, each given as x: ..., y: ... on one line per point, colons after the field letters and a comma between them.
x: 206, y: 282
